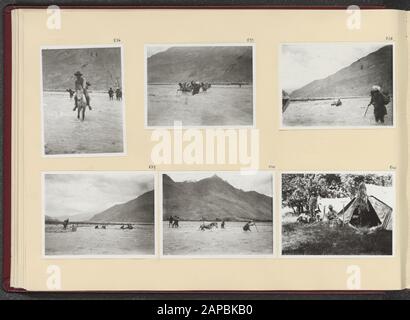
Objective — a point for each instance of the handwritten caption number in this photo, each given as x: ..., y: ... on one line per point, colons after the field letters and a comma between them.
x: 117, y: 40
x: 389, y: 38
x: 250, y: 40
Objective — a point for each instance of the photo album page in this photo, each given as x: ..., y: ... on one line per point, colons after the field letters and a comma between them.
x: 209, y: 150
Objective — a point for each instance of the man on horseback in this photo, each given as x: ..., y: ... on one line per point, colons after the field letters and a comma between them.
x: 81, y: 85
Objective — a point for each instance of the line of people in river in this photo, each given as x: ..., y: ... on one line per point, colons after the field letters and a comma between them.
x: 74, y: 226
x: 193, y: 86
x: 173, y: 222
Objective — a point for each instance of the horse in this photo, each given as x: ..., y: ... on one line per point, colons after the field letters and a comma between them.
x: 196, y: 86
x: 209, y: 226
x: 205, y: 86
x: 193, y: 86
x: 81, y: 104
x: 184, y: 87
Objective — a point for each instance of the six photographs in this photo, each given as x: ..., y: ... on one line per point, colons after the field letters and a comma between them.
x: 213, y: 214
x: 336, y: 85
x: 99, y: 214
x: 82, y: 105
x: 217, y: 214
x: 337, y: 214
x: 200, y: 85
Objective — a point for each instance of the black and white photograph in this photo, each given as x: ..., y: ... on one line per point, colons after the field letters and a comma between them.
x: 337, y: 214
x: 82, y: 101
x: 337, y: 85
x: 211, y: 214
x: 200, y: 85
x: 94, y: 214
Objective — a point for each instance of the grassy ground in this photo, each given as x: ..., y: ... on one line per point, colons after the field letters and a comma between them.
x: 320, y: 239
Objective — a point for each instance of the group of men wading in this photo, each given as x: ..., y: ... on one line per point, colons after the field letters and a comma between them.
x: 118, y: 93
x: 193, y: 86
x: 173, y: 222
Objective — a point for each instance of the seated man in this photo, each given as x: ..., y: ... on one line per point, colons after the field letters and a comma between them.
x: 303, y: 218
x: 331, y: 214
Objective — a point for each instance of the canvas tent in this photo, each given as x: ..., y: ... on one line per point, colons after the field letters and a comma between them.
x: 377, y: 213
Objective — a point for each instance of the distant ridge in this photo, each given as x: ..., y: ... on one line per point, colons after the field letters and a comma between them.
x: 213, y: 198
x: 355, y: 80
x: 212, y: 64
x: 140, y: 209
x: 50, y: 219
x: 100, y: 66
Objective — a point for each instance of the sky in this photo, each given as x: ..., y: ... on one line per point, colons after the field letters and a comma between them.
x: 300, y: 64
x: 70, y: 194
x: 151, y: 50
x: 260, y: 181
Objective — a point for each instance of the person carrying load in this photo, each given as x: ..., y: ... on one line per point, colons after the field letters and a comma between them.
x: 379, y: 101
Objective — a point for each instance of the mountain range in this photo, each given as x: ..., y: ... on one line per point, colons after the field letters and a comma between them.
x: 100, y: 66
x: 210, y: 64
x: 354, y: 80
x: 213, y: 199
x: 140, y: 209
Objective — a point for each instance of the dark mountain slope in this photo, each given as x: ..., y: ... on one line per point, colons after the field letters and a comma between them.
x: 213, y: 198
x: 355, y: 80
x: 212, y: 64
x: 100, y: 66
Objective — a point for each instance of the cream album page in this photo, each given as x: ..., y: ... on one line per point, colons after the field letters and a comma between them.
x: 169, y: 149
